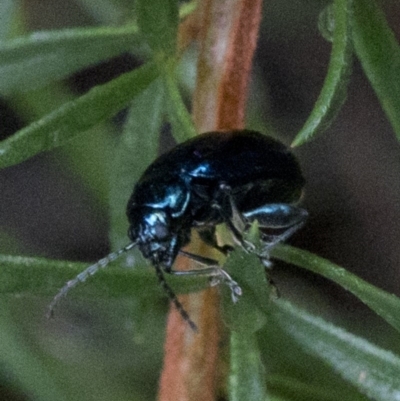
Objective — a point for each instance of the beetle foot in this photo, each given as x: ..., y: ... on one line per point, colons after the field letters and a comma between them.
x: 221, y: 276
x: 248, y: 246
x: 266, y: 261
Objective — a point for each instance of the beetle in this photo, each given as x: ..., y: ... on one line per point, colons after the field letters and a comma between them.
x: 233, y: 177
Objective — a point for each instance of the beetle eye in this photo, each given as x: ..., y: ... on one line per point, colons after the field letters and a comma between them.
x: 160, y: 231
x: 155, y: 226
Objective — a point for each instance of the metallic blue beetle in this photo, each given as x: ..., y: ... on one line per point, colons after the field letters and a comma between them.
x: 235, y: 178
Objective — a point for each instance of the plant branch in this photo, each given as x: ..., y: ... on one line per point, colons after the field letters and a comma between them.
x: 228, y: 41
x: 228, y: 35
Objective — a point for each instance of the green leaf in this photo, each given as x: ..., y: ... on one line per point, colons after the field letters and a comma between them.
x: 41, y: 276
x: 107, y: 11
x: 245, y: 318
x: 333, y: 93
x: 136, y: 149
x: 7, y: 9
x: 374, y: 371
x: 76, y: 116
x: 187, y: 8
x: 158, y: 22
x: 384, y: 304
x: 379, y: 54
x: 247, y: 315
x: 289, y: 389
x: 182, y: 124
x: 247, y: 373
x: 22, y: 366
x: 42, y: 57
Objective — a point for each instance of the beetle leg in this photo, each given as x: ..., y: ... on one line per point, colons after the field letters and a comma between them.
x: 236, y: 290
x: 216, y: 274
x: 276, y: 216
x: 172, y: 296
x: 200, y: 259
x: 234, y: 219
x: 271, y: 240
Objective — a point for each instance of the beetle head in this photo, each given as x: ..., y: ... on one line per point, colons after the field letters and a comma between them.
x: 150, y: 228
x: 157, y: 216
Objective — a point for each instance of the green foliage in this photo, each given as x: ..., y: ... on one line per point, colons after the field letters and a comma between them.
x: 47, y: 275
x: 33, y: 376
x: 246, y: 379
x: 60, y: 126
x: 244, y: 319
x: 358, y: 24
x: 140, y: 138
x: 277, y: 350
x: 181, y: 122
x: 7, y: 8
x: 43, y: 57
x: 374, y: 371
x: 379, y: 53
x: 333, y: 93
x: 384, y: 304
x: 158, y: 21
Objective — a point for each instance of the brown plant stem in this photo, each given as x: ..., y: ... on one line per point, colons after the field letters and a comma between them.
x: 227, y: 38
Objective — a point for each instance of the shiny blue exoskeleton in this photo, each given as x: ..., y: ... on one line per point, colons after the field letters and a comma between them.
x: 233, y: 177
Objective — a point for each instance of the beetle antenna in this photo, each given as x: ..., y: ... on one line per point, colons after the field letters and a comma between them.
x: 172, y: 296
x: 82, y: 276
